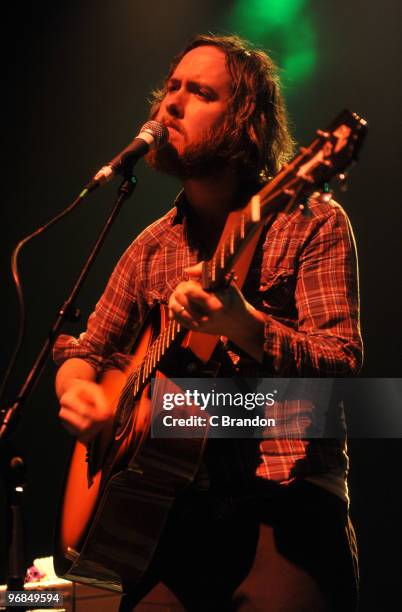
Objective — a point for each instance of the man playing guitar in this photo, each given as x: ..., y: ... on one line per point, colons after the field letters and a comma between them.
x: 263, y: 526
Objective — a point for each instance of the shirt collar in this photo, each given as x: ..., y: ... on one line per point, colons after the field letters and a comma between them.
x: 182, y: 207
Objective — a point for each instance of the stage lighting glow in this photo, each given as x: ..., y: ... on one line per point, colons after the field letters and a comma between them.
x: 285, y: 25
x: 259, y: 16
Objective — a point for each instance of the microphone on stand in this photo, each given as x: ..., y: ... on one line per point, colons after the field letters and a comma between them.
x: 152, y: 135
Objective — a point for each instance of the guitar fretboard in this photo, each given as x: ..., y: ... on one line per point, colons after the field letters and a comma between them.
x: 141, y: 374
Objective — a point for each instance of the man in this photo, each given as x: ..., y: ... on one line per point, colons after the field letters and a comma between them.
x: 262, y: 527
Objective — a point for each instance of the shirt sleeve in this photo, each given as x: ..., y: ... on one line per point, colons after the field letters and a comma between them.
x: 112, y: 325
x: 327, y: 340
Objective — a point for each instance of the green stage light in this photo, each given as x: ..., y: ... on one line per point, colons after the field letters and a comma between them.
x: 299, y: 66
x: 284, y: 25
x: 299, y: 51
x: 259, y: 16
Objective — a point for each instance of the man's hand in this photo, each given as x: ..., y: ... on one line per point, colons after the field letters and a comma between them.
x: 84, y: 409
x: 223, y: 313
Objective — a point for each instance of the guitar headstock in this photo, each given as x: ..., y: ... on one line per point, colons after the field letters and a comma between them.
x: 333, y: 151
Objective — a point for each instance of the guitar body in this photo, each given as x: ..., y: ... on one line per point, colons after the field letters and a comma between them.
x: 117, y: 497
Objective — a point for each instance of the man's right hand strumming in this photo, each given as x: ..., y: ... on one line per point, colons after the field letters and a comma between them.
x: 84, y: 409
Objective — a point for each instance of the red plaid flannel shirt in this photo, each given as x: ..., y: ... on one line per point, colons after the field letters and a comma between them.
x: 304, y: 278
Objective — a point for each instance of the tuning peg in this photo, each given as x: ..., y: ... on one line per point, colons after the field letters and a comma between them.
x: 342, y: 179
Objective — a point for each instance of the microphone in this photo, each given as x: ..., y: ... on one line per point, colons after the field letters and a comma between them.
x: 152, y: 135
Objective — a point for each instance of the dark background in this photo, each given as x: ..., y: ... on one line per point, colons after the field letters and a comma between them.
x: 76, y: 78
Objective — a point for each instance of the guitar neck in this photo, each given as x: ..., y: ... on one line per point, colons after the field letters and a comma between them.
x: 280, y: 194
x: 143, y: 372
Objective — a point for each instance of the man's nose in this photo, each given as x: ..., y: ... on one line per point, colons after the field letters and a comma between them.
x: 175, y: 105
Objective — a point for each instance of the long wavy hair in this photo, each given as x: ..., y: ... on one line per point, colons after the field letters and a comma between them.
x: 257, y: 138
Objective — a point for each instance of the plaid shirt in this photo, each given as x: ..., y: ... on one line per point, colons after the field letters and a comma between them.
x: 303, y: 277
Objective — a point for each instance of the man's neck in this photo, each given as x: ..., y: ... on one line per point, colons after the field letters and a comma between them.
x: 213, y: 197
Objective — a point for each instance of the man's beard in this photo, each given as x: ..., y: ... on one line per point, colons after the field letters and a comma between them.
x: 200, y: 160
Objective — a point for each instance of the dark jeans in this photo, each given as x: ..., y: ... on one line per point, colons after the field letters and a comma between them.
x: 276, y: 548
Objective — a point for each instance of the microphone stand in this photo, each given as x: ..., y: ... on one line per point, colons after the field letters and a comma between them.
x: 12, y: 464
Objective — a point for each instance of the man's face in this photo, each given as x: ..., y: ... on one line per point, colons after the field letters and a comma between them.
x: 193, y: 109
